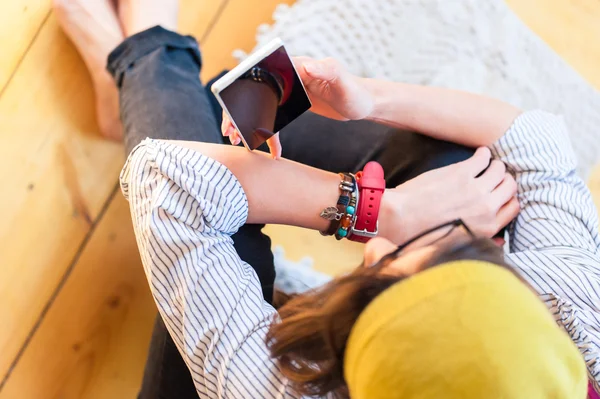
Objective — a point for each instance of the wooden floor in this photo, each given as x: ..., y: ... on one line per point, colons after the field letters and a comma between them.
x: 75, y: 310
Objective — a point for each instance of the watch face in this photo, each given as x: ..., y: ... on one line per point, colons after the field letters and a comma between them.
x: 265, y: 99
x: 275, y: 82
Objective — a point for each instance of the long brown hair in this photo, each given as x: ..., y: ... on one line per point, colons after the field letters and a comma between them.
x: 310, y: 341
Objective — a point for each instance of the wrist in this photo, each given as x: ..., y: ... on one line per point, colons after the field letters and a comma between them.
x: 394, y: 103
x: 386, y: 98
x: 373, y: 92
x: 364, y: 99
x: 392, y: 222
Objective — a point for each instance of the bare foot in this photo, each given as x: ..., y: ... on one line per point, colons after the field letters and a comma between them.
x: 93, y: 26
x: 139, y: 15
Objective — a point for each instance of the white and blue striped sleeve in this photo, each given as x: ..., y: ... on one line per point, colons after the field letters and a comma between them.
x: 185, y: 206
x: 554, y: 242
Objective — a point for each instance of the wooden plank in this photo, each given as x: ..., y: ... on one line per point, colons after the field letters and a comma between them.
x: 20, y: 20
x: 58, y: 172
x: 97, y: 330
x: 197, y: 17
x: 570, y: 27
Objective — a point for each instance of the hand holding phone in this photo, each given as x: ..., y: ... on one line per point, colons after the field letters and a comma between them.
x: 262, y: 95
x: 333, y: 91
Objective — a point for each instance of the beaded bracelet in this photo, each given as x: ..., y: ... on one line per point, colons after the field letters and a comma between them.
x: 342, y: 216
x: 349, y: 218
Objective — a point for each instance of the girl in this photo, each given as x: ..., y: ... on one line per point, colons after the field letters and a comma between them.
x: 441, y: 315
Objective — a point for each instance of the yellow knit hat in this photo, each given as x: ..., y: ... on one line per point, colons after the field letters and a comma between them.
x: 466, y: 329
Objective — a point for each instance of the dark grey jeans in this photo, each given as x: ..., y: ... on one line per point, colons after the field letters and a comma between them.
x: 161, y: 96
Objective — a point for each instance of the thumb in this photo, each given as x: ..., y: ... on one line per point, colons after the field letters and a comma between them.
x: 274, y: 146
x: 326, y: 70
x: 478, y: 162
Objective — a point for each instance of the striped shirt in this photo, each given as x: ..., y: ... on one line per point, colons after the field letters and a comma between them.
x: 185, y: 207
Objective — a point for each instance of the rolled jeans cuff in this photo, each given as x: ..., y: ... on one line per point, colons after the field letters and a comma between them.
x: 137, y: 46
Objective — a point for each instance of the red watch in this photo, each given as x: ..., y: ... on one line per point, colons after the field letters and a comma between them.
x: 371, y: 185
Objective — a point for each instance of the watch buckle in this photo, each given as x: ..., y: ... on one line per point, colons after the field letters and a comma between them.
x: 365, y: 232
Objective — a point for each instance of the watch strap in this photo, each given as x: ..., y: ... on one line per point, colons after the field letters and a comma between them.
x: 261, y: 75
x: 371, y: 185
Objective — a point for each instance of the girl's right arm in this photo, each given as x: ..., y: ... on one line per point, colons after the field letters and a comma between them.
x: 554, y: 241
x: 445, y: 114
x: 450, y: 115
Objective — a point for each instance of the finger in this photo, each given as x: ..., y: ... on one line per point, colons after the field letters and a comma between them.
x: 299, y: 64
x: 505, y: 191
x: 274, y: 146
x: 493, y: 176
x: 229, y: 131
x: 499, y: 241
x: 234, y: 137
x: 478, y: 162
x: 376, y: 249
x: 301, y: 60
x: 507, y: 213
x: 326, y: 70
x: 225, y: 124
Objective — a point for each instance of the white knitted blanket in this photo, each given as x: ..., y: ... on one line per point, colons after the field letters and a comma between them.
x: 475, y: 45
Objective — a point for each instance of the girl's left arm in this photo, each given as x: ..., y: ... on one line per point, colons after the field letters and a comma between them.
x: 186, y: 201
x: 278, y: 192
x: 185, y: 206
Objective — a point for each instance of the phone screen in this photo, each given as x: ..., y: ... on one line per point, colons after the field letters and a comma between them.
x: 266, y: 98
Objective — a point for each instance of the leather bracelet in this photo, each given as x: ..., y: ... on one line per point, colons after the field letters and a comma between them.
x: 371, y: 184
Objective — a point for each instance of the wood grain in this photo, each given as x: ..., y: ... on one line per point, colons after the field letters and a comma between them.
x: 20, y: 20
x: 59, y: 173
x: 97, y: 329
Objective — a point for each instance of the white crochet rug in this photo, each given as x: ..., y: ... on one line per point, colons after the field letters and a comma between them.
x: 475, y: 45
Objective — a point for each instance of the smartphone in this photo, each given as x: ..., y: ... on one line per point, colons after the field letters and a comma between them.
x: 263, y: 94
